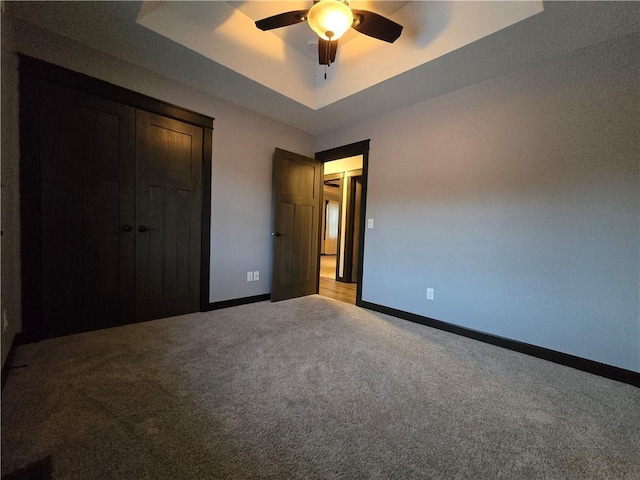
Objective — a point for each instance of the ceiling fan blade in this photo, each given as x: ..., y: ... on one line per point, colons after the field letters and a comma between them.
x: 282, y: 20
x: 376, y: 26
x: 327, y: 51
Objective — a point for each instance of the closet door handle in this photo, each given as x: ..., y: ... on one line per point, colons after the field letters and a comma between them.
x: 144, y: 228
x: 278, y: 234
x: 127, y: 228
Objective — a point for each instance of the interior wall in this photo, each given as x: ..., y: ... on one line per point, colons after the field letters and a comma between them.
x: 518, y: 201
x: 243, y: 146
x: 10, y: 306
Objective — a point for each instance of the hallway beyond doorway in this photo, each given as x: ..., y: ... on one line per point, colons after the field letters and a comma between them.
x: 329, y: 287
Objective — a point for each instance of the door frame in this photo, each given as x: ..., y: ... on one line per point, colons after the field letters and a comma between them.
x: 351, y: 150
x: 32, y: 71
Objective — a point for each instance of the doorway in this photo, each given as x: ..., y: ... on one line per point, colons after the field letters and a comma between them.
x: 341, y: 229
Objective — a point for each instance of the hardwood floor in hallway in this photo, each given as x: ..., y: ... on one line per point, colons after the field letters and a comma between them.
x: 344, y: 292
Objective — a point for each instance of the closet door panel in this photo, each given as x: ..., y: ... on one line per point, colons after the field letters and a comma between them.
x: 87, y: 154
x: 168, y: 216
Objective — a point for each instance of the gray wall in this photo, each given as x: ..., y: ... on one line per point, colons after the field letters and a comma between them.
x: 10, y: 262
x: 243, y: 145
x: 518, y: 201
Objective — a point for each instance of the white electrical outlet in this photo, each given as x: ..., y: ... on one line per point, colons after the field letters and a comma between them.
x: 249, y: 276
x: 429, y: 293
x: 370, y: 223
x: 256, y: 275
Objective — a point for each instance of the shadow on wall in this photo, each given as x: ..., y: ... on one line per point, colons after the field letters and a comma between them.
x: 429, y: 19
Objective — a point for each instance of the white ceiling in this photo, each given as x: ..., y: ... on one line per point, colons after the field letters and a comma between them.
x: 215, y: 47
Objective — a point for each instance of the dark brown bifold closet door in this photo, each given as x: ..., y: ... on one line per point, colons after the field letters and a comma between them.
x: 168, y: 216
x: 87, y: 155
x: 120, y: 213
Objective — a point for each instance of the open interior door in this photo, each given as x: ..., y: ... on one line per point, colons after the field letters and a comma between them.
x: 297, y: 187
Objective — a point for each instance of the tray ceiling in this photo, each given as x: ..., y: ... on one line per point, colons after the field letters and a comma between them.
x: 285, y: 59
x: 215, y: 47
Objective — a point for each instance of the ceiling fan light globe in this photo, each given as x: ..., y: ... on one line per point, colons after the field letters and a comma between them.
x: 330, y: 17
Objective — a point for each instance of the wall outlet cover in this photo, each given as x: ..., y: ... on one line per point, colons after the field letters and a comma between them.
x: 249, y: 276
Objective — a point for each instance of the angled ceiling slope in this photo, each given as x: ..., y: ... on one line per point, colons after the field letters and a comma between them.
x: 285, y: 59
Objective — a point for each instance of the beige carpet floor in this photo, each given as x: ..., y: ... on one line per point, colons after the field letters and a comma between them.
x: 309, y: 388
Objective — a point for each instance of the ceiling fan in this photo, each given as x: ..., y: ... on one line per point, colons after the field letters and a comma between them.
x: 330, y: 19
